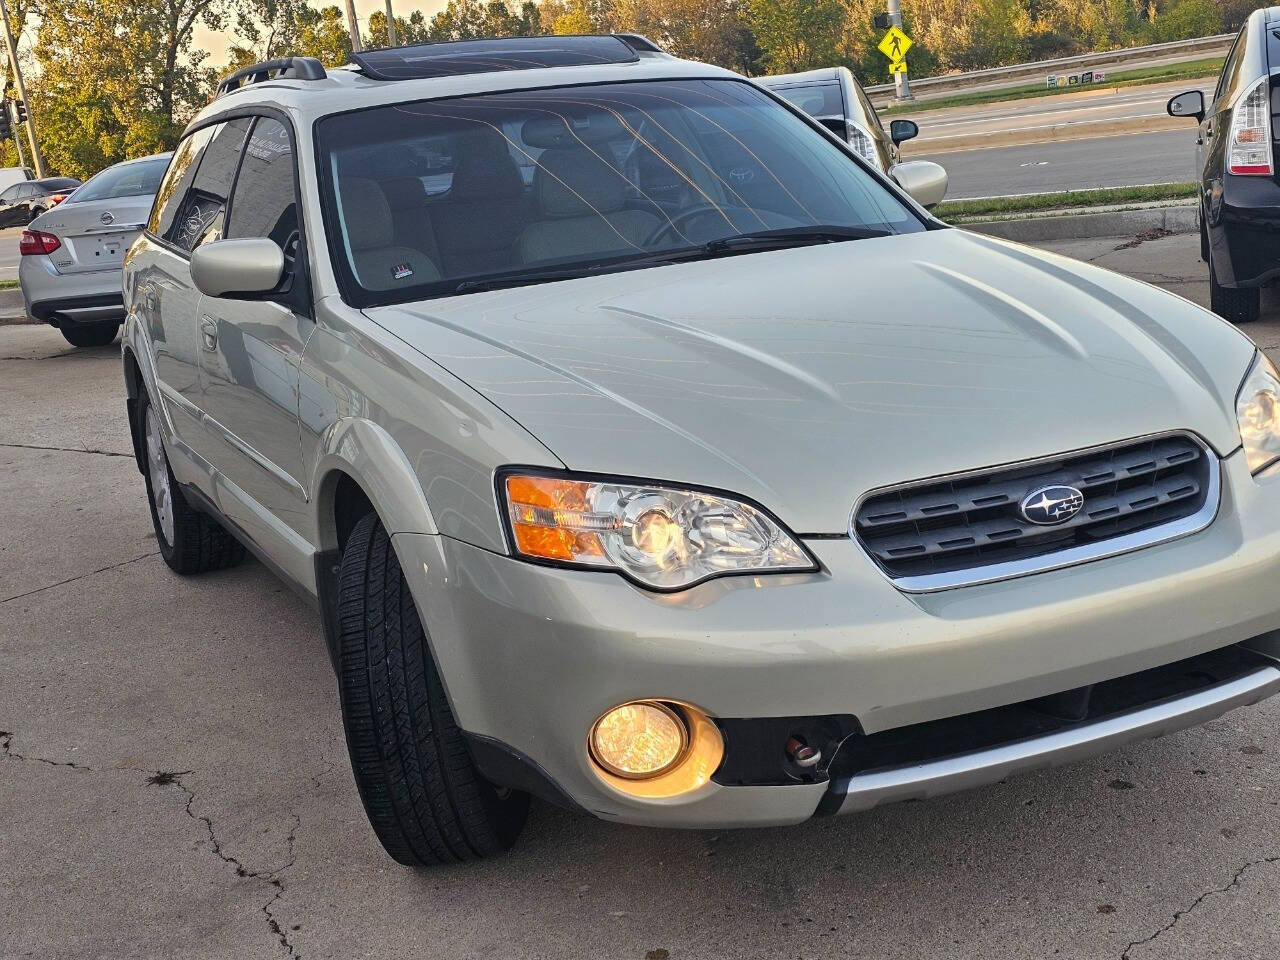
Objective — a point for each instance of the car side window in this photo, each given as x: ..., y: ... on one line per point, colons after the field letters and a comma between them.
x: 182, y: 169
x: 10, y: 193
x: 26, y: 191
x: 264, y: 203
x: 1230, y: 66
x: 200, y: 216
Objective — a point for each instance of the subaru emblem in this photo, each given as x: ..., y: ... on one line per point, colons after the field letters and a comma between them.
x: 107, y: 219
x: 1048, y: 506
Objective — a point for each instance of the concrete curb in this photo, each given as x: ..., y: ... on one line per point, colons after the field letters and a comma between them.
x: 12, y: 307
x: 1084, y: 226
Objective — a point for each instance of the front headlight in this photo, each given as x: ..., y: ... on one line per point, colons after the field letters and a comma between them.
x: 663, y: 537
x: 1258, y: 410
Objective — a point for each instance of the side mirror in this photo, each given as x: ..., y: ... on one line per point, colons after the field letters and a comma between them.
x: 900, y: 131
x: 1189, y: 104
x: 245, y: 269
x: 925, y: 181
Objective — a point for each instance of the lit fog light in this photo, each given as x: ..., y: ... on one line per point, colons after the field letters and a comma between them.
x: 639, y: 740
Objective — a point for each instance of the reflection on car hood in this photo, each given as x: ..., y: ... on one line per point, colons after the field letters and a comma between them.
x: 805, y: 377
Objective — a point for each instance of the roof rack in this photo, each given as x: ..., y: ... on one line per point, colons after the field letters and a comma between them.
x: 452, y: 58
x: 291, y: 68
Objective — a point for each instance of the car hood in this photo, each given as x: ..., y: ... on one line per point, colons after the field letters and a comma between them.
x: 805, y: 377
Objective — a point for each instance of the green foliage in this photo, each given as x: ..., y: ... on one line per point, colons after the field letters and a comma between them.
x: 798, y: 34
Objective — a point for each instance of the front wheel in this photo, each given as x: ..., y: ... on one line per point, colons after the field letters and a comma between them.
x: 423, y: 795
x: 90, y: 334
x: 1236, y: 304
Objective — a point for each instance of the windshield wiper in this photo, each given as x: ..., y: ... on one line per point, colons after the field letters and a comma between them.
x: 791, y: 237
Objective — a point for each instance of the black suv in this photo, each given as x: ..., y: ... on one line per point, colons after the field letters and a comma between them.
x: 1236, y: 157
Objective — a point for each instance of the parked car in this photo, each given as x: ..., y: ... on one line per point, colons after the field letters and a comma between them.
x: 1236, y: 166
x: 69, y: 270
x: 835, y: 98
x: 704, y: 479
x: 23, y: 202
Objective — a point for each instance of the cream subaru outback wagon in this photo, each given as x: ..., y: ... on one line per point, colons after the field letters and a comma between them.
x: 645, y: 450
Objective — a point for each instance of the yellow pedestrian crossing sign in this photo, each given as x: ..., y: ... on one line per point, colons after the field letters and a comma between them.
x: 895, y: 45
x: 898, y: 66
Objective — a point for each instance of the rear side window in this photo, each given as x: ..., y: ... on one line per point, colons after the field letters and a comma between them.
x: 264, y: 203
x: 200, y: 216
x: 182, y: 169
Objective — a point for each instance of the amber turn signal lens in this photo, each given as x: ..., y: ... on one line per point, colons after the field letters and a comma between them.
x: 639, y: 740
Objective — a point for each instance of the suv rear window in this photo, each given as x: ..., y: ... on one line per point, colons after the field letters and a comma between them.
x: 424, y: 198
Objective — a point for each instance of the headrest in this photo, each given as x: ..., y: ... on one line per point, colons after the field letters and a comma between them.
x: 404, y: 191
x: 366, y: 213
x: 485, y: 170
x: 578, y: 183
x: 564, y: 130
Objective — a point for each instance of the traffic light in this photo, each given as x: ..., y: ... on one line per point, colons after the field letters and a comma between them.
x: 19, y: 112
x: 6, y: 129
x: 883, y: 21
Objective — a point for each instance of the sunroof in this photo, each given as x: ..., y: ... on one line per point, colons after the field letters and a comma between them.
x: 459, y: 57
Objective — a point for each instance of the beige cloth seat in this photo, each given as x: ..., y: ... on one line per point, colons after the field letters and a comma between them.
x: 580, y: 194
x: 380, y: 263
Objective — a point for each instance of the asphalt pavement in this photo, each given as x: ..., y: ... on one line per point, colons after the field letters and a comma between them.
x: 1123, y: 160
x: 174, y: 781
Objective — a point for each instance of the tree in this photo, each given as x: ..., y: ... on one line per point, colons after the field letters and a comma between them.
x: 1187, y: 19
x: 120, y: 78
x: 798, y: 34
x: 470, y: 19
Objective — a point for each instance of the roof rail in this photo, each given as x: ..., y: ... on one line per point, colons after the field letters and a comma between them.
x: 639, y: 43
x: 293, y: 68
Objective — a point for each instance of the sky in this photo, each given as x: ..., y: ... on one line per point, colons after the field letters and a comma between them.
x: 216, y: 43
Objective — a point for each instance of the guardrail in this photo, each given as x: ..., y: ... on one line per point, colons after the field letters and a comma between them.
x: 1021, y: 72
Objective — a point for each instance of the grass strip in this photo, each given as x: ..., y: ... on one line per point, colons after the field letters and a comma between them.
x: 954, y: 210
x: 8, y: 284
x: 1191, y: 70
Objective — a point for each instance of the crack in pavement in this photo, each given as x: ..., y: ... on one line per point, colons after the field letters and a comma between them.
x: 163, y: 778
x: 91, y: 573
x: 1177, y: 917
x: 100, y: 453
x: 271, y: 877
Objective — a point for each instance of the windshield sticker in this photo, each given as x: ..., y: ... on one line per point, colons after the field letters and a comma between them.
x: 401, y: 270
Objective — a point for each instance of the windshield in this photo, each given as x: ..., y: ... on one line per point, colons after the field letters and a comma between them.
x: 140, y: 178
x: 432, y: 198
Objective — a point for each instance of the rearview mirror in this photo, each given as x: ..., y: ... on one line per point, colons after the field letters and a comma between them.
x: 1189, y: 104
x: 900, y: 131
x: 925, y: 181
x: 244, y: 269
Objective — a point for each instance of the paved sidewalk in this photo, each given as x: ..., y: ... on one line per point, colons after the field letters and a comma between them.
x: 174, y: 781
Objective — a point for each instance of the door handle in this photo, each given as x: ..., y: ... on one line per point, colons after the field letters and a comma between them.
x: 209, y: 333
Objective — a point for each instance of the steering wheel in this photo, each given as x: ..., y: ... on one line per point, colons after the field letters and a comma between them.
x: 674, y: 225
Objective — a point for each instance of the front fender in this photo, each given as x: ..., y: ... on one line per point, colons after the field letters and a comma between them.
x: 365, y: 452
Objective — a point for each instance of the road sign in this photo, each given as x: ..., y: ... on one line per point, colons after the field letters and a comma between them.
x: 898, y: 66
x: 895, y: 45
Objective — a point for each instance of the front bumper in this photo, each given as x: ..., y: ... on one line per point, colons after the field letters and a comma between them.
x: 69, y: 298
x: 532, y: 655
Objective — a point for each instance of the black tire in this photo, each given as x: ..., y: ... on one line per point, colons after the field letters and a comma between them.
x: 1237, y: 304
x: 198, y: 542
x: 90, y: 334
x: 423, y: 795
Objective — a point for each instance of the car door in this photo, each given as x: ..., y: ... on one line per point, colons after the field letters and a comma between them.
x: 15, y: 210
x: 8, y: 197
x: 168, y: 299
x: 249, y: 360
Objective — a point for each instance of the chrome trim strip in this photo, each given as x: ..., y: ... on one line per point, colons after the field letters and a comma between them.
x: 974, y: 576
x: 927, y: 780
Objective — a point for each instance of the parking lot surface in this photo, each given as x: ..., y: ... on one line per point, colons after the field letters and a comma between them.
x: 174, y: 781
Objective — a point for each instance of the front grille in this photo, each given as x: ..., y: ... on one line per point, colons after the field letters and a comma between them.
x: 965, y: 523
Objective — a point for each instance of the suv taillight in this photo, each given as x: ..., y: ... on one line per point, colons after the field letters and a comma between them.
x: 1249, y: 147
x: 35, y: 242
x: 57, y: 198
